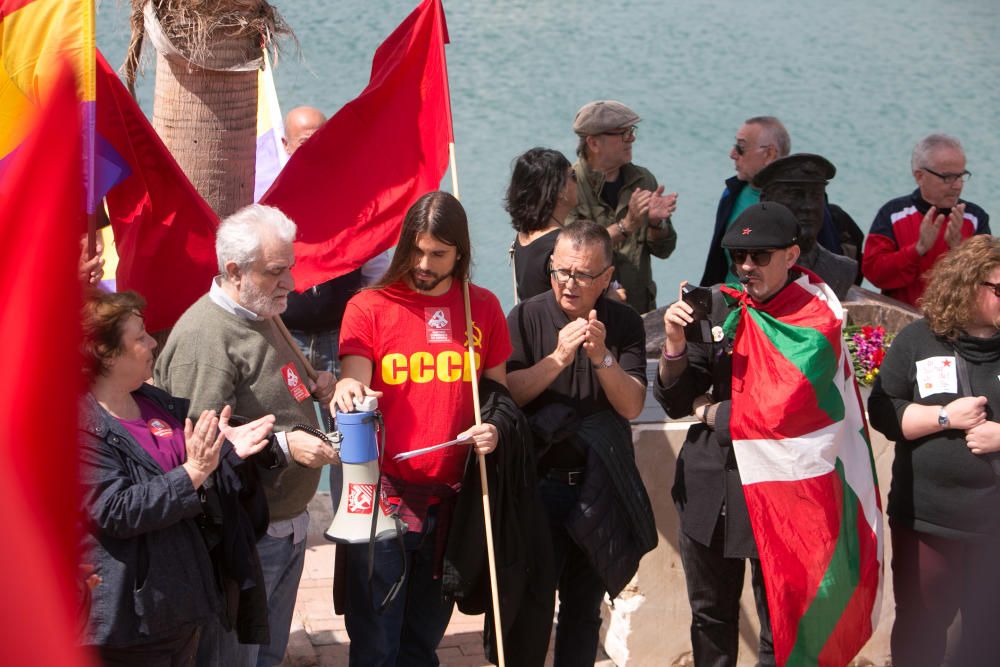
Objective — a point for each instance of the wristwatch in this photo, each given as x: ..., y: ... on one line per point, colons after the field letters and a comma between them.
x: 607, y: 362
x: 943, y: 420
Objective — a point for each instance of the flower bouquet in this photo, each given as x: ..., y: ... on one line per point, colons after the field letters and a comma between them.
x: 867, y: 345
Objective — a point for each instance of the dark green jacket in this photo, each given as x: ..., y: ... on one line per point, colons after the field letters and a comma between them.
x: 633, y: 268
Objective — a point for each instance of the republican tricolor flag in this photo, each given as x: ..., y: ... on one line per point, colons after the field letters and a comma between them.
x: 36, y: 37
x: 801, y: 442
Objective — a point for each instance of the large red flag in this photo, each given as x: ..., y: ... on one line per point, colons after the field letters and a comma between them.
x: 349, y: 186
x: 41, y: 209
x: 164, y: 230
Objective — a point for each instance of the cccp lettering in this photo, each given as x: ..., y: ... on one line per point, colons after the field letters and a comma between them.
x: 422, y: 367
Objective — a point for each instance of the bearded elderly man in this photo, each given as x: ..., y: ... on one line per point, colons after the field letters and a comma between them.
x: 909, y: 233
x: 579, y: 371
x: 622, y: 197
x: 715, y: 537
x: 226, y: 349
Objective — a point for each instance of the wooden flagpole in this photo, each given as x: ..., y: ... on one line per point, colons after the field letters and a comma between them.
x: 474, y: 381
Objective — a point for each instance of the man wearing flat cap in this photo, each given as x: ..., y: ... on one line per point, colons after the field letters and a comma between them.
x: 696, y: 378
x: 799, y: 182
x: 622, y: 197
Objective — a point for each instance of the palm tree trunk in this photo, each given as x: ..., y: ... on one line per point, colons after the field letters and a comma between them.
x: 205, y: 99
x: 208, y: 120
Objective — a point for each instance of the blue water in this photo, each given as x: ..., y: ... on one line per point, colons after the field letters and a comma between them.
x: 856, y: 81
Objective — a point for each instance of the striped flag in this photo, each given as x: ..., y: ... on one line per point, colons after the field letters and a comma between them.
x: 35, y: 36
x: 801, y: 442
x: 40, y: 334
x: 271, y: 154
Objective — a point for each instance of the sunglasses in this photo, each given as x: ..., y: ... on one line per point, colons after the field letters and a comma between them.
x: 741, y: 150
x: 758, y: 257
x: 993, y: 286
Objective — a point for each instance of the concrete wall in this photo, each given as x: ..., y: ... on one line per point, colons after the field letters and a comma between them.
x: 649, y: 623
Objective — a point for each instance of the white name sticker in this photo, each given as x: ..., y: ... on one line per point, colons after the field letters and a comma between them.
x: 936, y: 375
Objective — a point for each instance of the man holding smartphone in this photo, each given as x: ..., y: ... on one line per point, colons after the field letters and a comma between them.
x: 696, y: 377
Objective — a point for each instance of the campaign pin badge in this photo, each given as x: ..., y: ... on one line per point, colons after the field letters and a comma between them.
x: 159, y: 428
x: 294, y: 382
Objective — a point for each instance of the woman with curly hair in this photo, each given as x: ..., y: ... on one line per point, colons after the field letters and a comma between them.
x: 542, y: 192
x: 937, y: 396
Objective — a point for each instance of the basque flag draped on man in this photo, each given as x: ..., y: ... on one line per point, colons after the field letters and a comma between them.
x: 801, y: 443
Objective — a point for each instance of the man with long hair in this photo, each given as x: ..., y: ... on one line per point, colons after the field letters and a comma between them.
x: 403, y: 340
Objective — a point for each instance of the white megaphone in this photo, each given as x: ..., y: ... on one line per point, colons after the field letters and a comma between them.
x: 360, y: 505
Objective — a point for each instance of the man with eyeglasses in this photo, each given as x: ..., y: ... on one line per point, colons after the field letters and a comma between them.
x: 622, y: 197
x: 909, y: 233
x: 760, y: 141
x: 715, y: 537
x: 578, y: 370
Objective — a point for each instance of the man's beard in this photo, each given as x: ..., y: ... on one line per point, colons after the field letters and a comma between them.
x: 426, y: 285
x: 256, y: 301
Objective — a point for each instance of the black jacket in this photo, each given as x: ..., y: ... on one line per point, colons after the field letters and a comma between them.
x: 613, y: 520
x: 707, y: 477
x: 162, y: 549
x: 521, y: 538
x: 143, y: 539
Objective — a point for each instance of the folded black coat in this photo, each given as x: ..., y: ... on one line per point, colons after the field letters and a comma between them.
x: 521, y: 539
x: 613, y: 520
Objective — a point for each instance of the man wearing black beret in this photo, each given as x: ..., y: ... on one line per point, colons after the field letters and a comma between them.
x: 696, y: 378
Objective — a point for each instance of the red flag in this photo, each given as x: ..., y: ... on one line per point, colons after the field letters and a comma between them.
x: 350, y: 185
x: 164, y: 230
x: 41, y: 199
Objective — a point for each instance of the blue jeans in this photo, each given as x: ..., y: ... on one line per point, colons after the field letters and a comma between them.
x: 322, y: 351
x: 282, y: 563
x: 408, y: 632
x: 580, y: 587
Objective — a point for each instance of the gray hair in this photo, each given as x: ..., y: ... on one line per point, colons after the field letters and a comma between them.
x: 239, y: 236
x: 929, y: 144
x: 774, y: 131
x: 585, y: 233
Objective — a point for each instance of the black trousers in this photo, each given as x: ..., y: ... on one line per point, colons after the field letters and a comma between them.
x: 715, y: 584
x: 178, y: 650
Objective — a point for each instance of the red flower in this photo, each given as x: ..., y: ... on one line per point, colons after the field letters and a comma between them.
x: 867, y: 331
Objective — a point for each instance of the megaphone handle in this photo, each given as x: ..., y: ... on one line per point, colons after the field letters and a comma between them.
x: 376, y: 506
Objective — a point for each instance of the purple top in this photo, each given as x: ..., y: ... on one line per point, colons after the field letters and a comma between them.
x: 158, y: 432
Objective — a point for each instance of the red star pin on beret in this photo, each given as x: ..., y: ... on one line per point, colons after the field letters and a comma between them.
x: 746, y: 231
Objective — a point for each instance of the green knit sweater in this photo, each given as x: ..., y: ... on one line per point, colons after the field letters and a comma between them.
x: 215, y: 358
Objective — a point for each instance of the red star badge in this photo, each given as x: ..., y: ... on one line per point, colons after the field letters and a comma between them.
x: 946, y: 363
x: 746, y: 231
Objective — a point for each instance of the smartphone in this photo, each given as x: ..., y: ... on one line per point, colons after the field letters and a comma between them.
x: 700, y: 300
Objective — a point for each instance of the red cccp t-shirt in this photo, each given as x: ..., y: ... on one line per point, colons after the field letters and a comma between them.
x: 417, y: 346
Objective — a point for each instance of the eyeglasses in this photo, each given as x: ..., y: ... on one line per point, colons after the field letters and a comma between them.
x: 758, y: 257
x: 741, y: 150
x: 626, y: 134
x: 993, y: 286
x: 563, y: 276
x: 949, y: 179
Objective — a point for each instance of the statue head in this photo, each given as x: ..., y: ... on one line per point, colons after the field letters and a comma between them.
x: 799, y: 182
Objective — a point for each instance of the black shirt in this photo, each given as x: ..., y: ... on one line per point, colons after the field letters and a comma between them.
x: 531, y: 265
x: 321, y: 308
x: 938, y: 486
x: 534, y: 332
